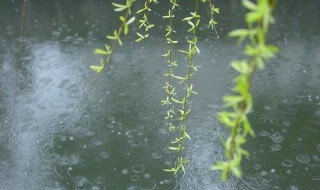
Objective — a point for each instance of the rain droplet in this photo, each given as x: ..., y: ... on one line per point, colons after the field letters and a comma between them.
x: 104, y: 155
x: 316, y: 158
x: 286, y: 123
x: 97, y: 142
x: 147, y: 184
x: 166, y: 181
x: 263, y: 133
x: 74, y: 159
x: 99, y: 180
x: 275, y: 147
x: 124, y: 172
x: 147, y: 175
x: 156, y: 155
x: 138, y: 168
x: 287, y: 163
x: 134, y: 142
x: 303, y: 158
x: 318, y: 147
x: 276, y: 137
x: 263, y: 173
x: 293, y: 188
x: 135, y: 178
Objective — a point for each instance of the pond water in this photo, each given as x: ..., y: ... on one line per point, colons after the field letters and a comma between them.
x: 64, y: 127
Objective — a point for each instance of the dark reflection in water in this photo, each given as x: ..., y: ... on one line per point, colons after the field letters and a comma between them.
x: 64, y: 127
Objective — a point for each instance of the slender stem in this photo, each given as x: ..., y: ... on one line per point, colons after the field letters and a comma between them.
x: 214, y: 27
x: 115, y: 42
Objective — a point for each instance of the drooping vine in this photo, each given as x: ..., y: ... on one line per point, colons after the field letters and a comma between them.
x: 212, y: 22
x: 116, y: 37
x: 239, y: 103
x: 169, y: 88
x: 144, y: 21
x: 178, y: 144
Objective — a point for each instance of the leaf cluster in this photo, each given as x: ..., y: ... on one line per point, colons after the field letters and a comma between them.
x: 116, y: 36
x: 239, y: 104
x: 144, y: 21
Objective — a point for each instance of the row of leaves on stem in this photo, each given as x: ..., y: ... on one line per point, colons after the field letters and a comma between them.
x: 115, y: 38
x: 239, y: 103
x: 144, y: 20
x: 193, y: 21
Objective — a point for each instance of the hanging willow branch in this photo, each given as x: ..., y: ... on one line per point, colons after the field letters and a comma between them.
x: 116, y: 37
x: 170, y: 90
x: 144, y: 21
x: 178, y: 144
x: 239, y: 102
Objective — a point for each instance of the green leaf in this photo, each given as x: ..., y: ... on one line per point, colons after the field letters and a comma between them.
x: 96, y: 68
x: 240, y: 66
x: 101, y: 52
x: 239, y: 33
x: 249, y: 5
x: 119, y: 7
x: 232, y: 100
x: 131, y: 20
x: 253, y: 17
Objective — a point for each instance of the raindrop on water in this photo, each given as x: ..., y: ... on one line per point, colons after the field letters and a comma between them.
x: 263, y: 133
x: 316, y: 158
x: 303, y: 158
x: 97, y: 142
x: 286, y: 123
x: 135, y: 178
x: 263, y: 173
x: 275, y: 147
x: 104, y: 155
x: 293, y: 187
x: 124, y: 172
x: 287, y: 163
x: 156, y: 155
x: 318, y: 147
x: 95, y: 188
x: 147, y: 175
x: 276, y: 137
x: 138, y: 168
x: 147, y: 184
x: 99, y: 180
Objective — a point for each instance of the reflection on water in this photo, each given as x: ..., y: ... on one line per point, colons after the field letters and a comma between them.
x: 64, y: 127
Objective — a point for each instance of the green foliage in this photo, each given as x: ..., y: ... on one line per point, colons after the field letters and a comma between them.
x: 213, y: 10
x: 178, y: 144
x: 169, y: 88
x: 116, y: 37
x: 239, y: 104
x: 144, y: 21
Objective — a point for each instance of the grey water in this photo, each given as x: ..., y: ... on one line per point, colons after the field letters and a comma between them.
x: 64, y: 127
